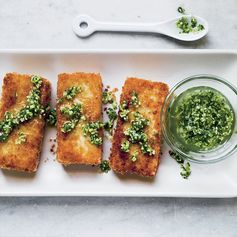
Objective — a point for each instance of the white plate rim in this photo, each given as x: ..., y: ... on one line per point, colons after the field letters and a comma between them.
x: 116, y: 51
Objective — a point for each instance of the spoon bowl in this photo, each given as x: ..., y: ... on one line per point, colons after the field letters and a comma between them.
x: 170, y: 29
x: 85, y: 26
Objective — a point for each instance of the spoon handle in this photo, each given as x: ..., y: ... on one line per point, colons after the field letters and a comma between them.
x: 84, y: 26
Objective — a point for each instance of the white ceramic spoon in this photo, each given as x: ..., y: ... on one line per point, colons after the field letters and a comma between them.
x: 85, y: 26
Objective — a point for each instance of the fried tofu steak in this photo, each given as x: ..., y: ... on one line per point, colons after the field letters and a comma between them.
x: 79, y: 126
x: 136, y: 141
x: 21, y: 121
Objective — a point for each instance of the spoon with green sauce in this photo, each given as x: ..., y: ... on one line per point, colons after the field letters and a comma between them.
x: 184, y: 28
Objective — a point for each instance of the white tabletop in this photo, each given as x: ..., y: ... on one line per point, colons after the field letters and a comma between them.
x: 47, y: 24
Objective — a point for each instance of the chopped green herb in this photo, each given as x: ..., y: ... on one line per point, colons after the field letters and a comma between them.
x: 21, y: 138
x: 104, y: 166
x: 32, y: 109
x: 125, y: 146
x: 139, y: 122
x: 37, y: 82
x: 124, y: 107
x: 183, y: 25
x: 112, y: 115
x: 136, y: 134
x: 123, y: 111
x: 134, y: 156
x: 147, y: 149
x: 7, y: 125
x: 107, y: 97
x: 68, y: 126
x: 134, y: 100
x: 73, y: 112
x: 185, y: 170
x: 92, y: 130
x: 108, y: 125
x: 70, y: 93
x: 181, y: 10
x: 185, y: 167
x: 186, y: 26
x: 202, y: 118
x: 51, y: 116
x: 200, y: 27
x: 193, y: 22
x: 83, y: 117
x: 177, y: 157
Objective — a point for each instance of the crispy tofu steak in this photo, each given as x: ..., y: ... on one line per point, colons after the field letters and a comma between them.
x: 22, y: 121
x: 79, y: 126
x: 136, y: 141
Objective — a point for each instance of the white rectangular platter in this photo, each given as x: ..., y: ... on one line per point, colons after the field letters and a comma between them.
x: 52, y: 179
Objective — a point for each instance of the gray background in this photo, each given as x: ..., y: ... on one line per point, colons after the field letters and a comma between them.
x: 47, y: 24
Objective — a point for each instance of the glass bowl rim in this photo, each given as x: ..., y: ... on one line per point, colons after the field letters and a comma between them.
x: 163, y: 127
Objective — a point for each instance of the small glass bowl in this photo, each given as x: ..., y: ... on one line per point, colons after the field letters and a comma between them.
x: 222, y: 151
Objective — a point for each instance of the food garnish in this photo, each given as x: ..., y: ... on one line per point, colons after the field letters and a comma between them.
x: 134, y: 100
x: 201, y: 118
x: 134, y: 156
x: 185, y: 25
x: 51, y: 116
x: 135, y: 132
x: 74, y: 114
x: 104, y: 166
x: 108, y: 98
x: 32, y: 109
x: 181, y: 10
x: 125, y: 146
x: 91, y: 129
x: 123, y: 111
x: 184, y: 166
x: 21, y: 138
x: 70, y: 93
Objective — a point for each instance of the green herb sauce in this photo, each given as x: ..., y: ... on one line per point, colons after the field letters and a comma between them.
x: 104, y: 166
x: 92, y: 130
x: 70, y: 93
x: 109, y: 98
x: 123, y: 111
x: 187, y: 26
x: 134, y: 156
x: 184, y: 166
x: 73, y: 114
x: 51, y: 116
x: 125, y: 146
x: 201, y: 118
x: 135, y: 132
x: 134, y: 100
x: 21, y: 138
x: 32, y: 109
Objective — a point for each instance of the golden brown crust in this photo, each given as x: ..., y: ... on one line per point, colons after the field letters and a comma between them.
x: 151, y: 95
x: 74, y: 148
x: 25, y: 156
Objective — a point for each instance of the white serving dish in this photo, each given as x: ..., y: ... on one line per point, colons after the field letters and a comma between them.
x: 170, y: 66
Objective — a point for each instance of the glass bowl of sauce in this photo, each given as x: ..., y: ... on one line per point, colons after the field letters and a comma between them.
x: 198, y: 119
